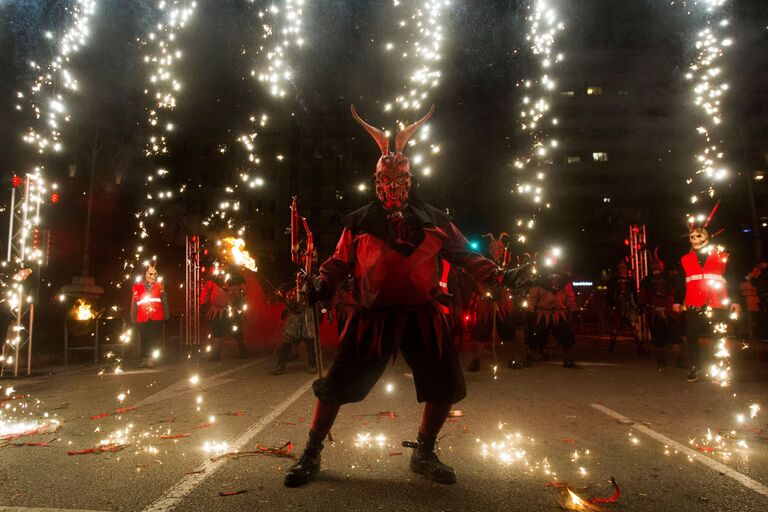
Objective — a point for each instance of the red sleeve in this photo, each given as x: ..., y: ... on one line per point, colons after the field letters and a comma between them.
x: 336, y: 268
x: 456, y: 251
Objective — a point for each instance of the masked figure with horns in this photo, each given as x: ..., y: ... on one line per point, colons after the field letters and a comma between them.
x: 656, y: 297
x: 392, y: 248
x: 705, y: 295
x: 494, y: 313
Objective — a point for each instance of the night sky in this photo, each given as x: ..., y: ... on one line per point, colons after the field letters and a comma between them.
x: 343, y: 62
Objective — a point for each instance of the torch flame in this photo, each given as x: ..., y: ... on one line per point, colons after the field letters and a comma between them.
x: 237, y: 253
x: 83, y: 310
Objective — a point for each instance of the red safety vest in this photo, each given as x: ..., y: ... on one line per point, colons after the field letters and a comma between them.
x: 705, y: 285
x: 149, y: 304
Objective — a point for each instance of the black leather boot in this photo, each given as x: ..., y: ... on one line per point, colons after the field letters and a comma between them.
x: 307, y: 466
x: 425, y: 462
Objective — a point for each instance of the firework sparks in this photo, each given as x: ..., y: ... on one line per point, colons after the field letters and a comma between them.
x: 536, y: 117
x: 163, y: 52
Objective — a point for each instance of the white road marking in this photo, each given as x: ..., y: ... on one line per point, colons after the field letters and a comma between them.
x: 183, y: 386
x: 713, y: 464
x: 186, y: 485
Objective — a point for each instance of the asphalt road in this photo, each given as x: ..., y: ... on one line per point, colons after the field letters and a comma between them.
x: 614, y: 416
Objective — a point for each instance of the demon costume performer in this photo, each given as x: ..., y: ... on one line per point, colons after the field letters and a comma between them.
x: 657, y: 296
x: 392, y: 247
x: 705, y: 294
x: 149, y: 309
x: 490, y: 301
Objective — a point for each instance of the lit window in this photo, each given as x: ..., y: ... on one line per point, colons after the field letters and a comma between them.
x: 568, y: 93
x: 572, y: 159
x: 600, y: 157
x: 595, y: 90
x: 606, y: 199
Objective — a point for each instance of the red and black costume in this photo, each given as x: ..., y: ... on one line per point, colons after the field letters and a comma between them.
x: 493, y: 309
x: 705, y: 294
x: 149, y: 309
x: 392, y: 248
x: 552, y: 301
x: 657, y: 297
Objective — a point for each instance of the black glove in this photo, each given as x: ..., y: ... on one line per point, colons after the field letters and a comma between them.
x: 315, y: 290
x: 518, y: 277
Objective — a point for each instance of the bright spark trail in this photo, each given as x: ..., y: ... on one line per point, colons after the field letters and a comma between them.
x: 282, y: 35
x: 536, y: 116
x: 162, y: 56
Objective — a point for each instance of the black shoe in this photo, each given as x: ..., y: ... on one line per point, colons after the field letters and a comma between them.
x: 307, y: 467
x: 277, y: 370
x: 474, y: 366
x: 513, y: 365
x: 693, y: 374
x: 568, y: 363
x: 426, y: 463
x: 528, y: 361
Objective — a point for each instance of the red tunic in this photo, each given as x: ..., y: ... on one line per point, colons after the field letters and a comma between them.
x: 149, y: 303
x: 705, y: 285
x: 391, y: 285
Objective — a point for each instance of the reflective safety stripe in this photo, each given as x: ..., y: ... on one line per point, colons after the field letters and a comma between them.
x: 148, y: 299
x: 708, y: 277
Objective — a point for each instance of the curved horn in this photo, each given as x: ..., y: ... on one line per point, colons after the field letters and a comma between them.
x: 379, y: 136
x: 489, y: 235
x: 405, y: 134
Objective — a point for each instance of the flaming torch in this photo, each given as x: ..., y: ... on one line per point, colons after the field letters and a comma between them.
x: 236, y: 253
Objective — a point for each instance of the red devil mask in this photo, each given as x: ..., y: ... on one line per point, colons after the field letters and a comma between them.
x: 393, y: 171
x: 496, y: 248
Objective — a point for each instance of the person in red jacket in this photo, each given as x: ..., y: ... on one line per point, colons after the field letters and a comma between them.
x: 149, y: 309
x: 392, y: 247
x: 705, y: 289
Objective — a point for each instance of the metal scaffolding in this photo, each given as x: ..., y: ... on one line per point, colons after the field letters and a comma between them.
x: 192, y: 292
x: 22, y: 253
x: 639, y: 257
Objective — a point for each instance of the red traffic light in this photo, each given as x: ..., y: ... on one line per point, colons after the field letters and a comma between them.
x: 16, y: 181
x: 55, y: 197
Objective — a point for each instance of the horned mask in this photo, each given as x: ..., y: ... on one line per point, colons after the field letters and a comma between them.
x: 393, y: 176
x: 496, y: 248
x: 698, y: 230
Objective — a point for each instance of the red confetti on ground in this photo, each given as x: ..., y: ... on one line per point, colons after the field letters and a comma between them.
x: 569, y: 440
x: 283, y: 451
x: 99, y: 449
x: 613, y: 497
x: 705, y: 449
x: 392, y: 454
x: 234, y: 413
x: 121, y: 410
x: 174, y: 436
x: 33, y: 432
x: 451, y: 420
x: 387, y: 414
x: 555, y: 484
x: 232, y: 493
x: 13, y: 397
x: 40, y: 444
x: 203, y: 425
